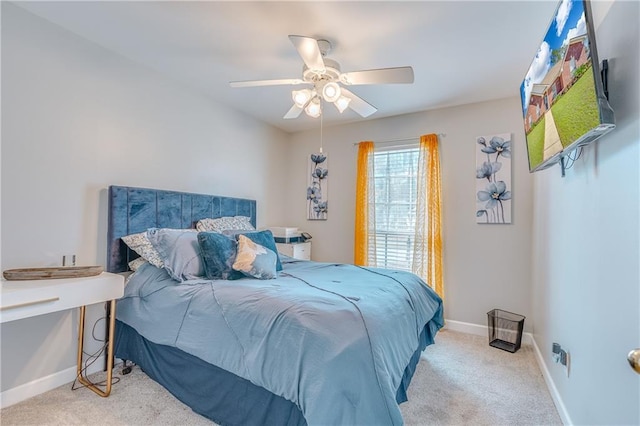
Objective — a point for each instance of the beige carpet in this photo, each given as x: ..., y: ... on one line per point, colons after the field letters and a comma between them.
x: 460, y: 380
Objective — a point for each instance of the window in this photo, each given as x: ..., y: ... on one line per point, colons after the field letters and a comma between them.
x: 395, y: 174
x: 398, y: 198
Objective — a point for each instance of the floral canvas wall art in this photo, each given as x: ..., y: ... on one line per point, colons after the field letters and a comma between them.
x: 317, y: 187
x: 493, y: 178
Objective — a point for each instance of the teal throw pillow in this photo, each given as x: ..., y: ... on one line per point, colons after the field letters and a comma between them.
x: 218, y: 254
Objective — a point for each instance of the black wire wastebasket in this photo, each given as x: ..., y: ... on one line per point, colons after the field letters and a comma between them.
x: 505, y: 329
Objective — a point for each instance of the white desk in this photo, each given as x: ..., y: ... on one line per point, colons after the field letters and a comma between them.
x: 25, y: 299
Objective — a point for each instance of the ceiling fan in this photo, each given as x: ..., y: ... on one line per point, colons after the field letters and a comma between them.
x: 325, y: 81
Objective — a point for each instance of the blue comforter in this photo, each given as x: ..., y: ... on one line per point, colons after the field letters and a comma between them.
x: 335, y: 339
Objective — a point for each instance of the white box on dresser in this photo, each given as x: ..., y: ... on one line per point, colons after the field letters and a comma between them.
x: 284, y: 232
x: 300, y: 251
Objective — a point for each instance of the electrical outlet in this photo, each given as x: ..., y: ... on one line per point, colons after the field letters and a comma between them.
x: 69, y: 260
x: 560, y: 356
x: 555, y: 352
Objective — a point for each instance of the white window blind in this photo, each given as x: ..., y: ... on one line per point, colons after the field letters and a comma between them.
x: 395, y: 174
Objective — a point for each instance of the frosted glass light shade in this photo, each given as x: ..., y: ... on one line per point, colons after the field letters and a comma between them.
x: 301, y: 97
x: 313, y: 109
x: 331, y: 92
x: 342, y: 103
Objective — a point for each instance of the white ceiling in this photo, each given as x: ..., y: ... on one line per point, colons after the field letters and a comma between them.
x: 461, y: 51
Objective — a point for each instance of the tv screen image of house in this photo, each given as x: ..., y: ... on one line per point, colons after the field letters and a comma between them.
x: 561, y: 92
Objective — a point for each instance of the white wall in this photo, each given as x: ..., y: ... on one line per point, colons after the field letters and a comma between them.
x: 77, y: 118
x: 485, y: 266
x: 586, y: 264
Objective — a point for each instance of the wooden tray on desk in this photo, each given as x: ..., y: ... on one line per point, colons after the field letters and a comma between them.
x: 53, y: 273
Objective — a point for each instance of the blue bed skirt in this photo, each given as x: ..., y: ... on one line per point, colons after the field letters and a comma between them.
x: 222, y: 396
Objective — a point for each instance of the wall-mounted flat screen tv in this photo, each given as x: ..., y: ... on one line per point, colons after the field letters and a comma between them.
x: 563, y: 101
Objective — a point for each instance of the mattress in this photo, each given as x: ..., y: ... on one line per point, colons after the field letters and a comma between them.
x: 331, y: 343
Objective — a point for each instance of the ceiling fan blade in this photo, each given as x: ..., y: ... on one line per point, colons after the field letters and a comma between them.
x: 309, y: 51
x: 379, y: 76
x: 358, y: 104
x: 294, y: 112
x: 254, y: 83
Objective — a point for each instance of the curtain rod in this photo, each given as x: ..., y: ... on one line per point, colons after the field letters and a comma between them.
x: 442, y: 135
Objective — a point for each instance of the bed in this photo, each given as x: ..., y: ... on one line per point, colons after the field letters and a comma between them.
x: 323, y: 343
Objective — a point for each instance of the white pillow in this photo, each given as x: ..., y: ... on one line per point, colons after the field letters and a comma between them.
x: 237, y: 223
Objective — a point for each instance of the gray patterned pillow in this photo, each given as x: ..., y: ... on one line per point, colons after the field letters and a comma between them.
x: 255, y: 260
x: 141, y: 245
x: 241, y: 223
x: 136, y: 263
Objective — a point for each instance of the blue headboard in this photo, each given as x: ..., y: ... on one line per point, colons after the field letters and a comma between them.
x: 133, y: 210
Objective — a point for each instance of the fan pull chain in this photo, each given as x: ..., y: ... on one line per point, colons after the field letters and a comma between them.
x: 321, y: 115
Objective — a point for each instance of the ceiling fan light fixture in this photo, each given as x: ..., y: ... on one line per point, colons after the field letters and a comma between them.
x: 301, y: 97
x: 342, y: 103
x: 326, y: 82
x: 313, y: 109
x: 331, y: 91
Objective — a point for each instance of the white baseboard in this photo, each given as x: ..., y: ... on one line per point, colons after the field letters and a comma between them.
x: 478, y: 330
x: 527, y: 339
x: 43, y: 384
x: 553, y: 390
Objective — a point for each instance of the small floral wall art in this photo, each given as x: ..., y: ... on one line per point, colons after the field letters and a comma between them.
x: 493, y: 178
x: 317, y: 187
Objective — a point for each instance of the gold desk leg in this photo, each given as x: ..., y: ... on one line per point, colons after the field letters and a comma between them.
x: 81, y: 378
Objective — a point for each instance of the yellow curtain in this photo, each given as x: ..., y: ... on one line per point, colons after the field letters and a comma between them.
x: 427, y: 254
x: 365, y: 211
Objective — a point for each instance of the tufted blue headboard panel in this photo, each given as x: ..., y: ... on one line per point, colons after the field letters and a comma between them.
x: 133, y: 210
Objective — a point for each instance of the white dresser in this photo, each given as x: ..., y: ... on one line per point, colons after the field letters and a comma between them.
x: 300, y: 251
